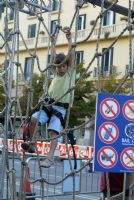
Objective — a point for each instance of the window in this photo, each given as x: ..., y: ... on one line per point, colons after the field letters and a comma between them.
x: 53, y: 26
x: 11, y: 14
x: 109, y: 18
x: 107, y: 62
x: 31, y: 30
x: 79, y: 57
x: 28, y: 68
x: 9, y: 34
x: 2, y: 8
x: 132, y: 4
x: 82, y: 22
x: 55, y: 5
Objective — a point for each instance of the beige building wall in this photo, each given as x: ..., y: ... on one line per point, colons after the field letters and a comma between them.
x: 121, y: 48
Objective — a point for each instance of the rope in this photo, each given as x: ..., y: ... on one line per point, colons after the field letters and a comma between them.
x: 10, y: 52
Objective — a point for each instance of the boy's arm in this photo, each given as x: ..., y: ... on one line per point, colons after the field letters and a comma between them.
x: 70, y: 50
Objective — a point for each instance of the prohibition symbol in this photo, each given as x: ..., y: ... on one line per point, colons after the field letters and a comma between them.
x: 108, y: 132
x: 107, y: 157
x: 127, y: 158
x: 128, y: 110
x: 109, y: 108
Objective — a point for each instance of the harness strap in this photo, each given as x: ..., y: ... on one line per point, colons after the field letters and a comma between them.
x: 51, y: 111
x: 59, y: 115
x: 64, y: 105
x: 73, y: 142
x: 48, y: 112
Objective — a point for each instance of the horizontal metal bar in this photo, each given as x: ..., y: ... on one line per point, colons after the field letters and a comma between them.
x: 116, y: 8
x: 12, y: 3
x: 36, y: 5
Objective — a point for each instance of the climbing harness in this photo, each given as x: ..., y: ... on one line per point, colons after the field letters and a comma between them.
x: 49, y: 111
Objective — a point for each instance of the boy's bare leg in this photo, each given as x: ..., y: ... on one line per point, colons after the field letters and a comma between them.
x: 50, y: 156
x: 53, y: 144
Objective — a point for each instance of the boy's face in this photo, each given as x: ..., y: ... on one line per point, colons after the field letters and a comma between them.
x: 62, y: 69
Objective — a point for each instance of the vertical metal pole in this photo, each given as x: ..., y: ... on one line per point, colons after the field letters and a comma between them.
x: 131, y: 79
x: 127, y: 183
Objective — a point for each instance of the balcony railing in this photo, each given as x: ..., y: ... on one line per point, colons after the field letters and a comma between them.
x: 43, y: 41
x: 110, y: 29
x: 113, y: 30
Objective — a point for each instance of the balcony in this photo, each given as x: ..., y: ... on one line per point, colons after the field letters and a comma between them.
x: 43, y: 41
x: 113, y: 31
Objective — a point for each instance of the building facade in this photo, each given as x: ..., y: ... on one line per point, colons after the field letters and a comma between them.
x: 33, y: 38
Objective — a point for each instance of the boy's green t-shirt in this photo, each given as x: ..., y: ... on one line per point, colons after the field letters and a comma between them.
x: 60, y: 85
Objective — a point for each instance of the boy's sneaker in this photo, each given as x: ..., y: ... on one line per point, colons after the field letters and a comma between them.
x: 28, y: 147
x: 25, y: 146
x: 31, y: 148
x: 47, y: 163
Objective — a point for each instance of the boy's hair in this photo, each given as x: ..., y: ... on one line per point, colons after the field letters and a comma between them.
x: 60, y: 58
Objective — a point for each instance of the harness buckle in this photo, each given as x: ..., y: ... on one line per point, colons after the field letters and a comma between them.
x: 45, y: 100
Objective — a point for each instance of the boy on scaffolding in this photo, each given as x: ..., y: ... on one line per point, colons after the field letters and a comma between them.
x: 55, y: 114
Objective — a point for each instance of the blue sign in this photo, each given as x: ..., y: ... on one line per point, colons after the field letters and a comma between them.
x: 114, y: 134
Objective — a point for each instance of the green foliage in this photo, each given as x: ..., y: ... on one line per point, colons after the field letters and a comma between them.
x: 2, y: 93
x: 2, y: 98
x: 85, y: 94
x: 37, y: 85
x: 110, y: 84
x: 37, y: 89
x: 84, y: 101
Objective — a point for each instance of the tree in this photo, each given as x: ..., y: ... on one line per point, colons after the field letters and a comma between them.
x: 86, y: 91
x: 2, y: 97
x: 2, y: 93
x: 111, y: 83
x: 84, y: 100
x: 84, y: 96
x: 37, y: 87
